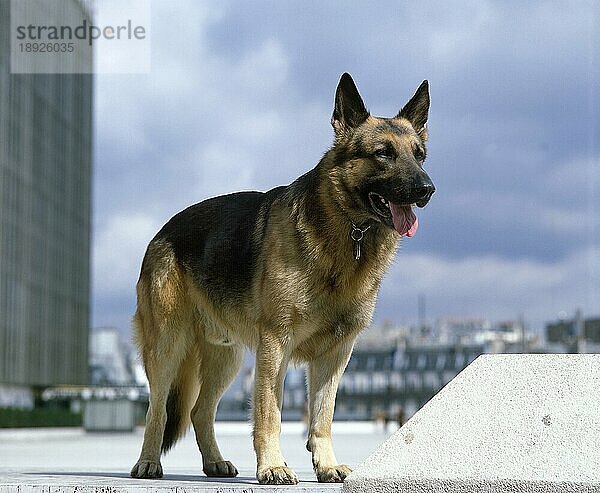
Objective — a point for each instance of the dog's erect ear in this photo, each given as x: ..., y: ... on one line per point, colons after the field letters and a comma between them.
x: 349, y: 111
x: 417, y: 109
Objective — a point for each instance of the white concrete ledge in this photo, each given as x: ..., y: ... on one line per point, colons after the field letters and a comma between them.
x: 507, y: 423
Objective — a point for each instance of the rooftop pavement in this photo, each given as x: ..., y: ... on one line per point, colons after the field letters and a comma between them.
x: 71, y: 460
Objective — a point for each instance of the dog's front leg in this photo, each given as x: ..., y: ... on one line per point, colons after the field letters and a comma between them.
x: 272, y: 358
x: 324, y: 374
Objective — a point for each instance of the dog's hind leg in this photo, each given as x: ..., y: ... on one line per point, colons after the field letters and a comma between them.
x: 218, y: 367
x: 161, y: 374
x: 162, y: 329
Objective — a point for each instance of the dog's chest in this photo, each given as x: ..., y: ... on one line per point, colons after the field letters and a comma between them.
x: 325, y: 324
x: 333, y: 312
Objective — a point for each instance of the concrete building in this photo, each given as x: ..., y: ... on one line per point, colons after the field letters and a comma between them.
x: 45, y: 175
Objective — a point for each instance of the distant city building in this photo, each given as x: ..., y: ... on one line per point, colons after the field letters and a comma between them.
x: 111, y: 358
x: 561, y: 331
x: 45, y: 175
x: 385, y: 380
x: 591, y: 330
x: 461, y: 330
x: 387, y: 375
x: 402, y: 378
x: 574, y: 335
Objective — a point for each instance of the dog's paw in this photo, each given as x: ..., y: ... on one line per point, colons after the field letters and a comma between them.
x: 277, y: 475
x: 147, y: 469
x: 220, y: 469
x: 335, y: 474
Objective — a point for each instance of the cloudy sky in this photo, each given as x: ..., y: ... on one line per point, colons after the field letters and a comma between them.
x: 240, y: 96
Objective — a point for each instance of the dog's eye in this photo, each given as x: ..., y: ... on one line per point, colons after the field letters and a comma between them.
x: 419, y: 153
x: 384, y: 153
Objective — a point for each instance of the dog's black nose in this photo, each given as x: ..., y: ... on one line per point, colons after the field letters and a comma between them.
x: 423, y: 193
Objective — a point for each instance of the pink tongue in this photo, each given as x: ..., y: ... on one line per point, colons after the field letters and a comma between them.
x: 405, y: 221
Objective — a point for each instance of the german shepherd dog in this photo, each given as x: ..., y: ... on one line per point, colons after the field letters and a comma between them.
x: 292, y: 273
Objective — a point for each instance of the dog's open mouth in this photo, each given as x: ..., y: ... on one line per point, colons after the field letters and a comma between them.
x: 402, y: 217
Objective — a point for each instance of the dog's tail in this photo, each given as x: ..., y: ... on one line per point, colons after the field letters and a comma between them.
x: 182, y: 396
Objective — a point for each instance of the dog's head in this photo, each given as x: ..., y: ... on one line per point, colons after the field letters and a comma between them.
x: 378, y: 162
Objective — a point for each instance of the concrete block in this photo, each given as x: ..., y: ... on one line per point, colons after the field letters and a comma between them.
x: 507, y: 423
